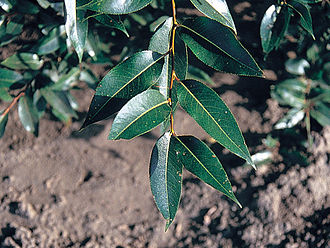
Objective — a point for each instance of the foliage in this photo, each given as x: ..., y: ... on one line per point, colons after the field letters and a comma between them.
x: 144, y: 90
x: 147, y: 87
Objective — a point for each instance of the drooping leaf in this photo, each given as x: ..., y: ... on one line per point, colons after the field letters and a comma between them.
x: 165, y: 173
x: 75, y: 26
x: 8, y: 77
x: 140, y: 115
x: 22, y: 61
x: 305, y: 16
x: 217, y: 46
x: 292, y: 118
x: 127, y: 79
x: 212, y: 114
x: 273, y: 27
x: 60, y: 104
x: 116, y: 7
x: 28, y: 114
x: 112, y: 22
x: 49, y: 43
x: 3, y: 123
x: 200, y: 160
x: 217, y: 10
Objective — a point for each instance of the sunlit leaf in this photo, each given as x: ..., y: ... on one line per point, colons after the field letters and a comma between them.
x: 49, y: 43
x: 127, y: 79
x: 116, y: 7
x: 4, y: 95
x: 3, y: 122
x: 212, y: 114
x: 28, y: 114
x: 141, y: 114
x: 273, y: 26
x: 297, y: 66
x: 217, y: 10
x: 165, y: 174
x: 200, y: 160
x: 22, y: 61
x: 292, y: 118
x: 66, y: 81
x: 75, y: 26
x: 8, y: 77
x: 217, y: 46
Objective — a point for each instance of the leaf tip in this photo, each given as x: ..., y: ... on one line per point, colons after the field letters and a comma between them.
x: 168, y: 223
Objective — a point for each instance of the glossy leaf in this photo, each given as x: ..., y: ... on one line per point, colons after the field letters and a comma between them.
x: 28, y: 114
x: 199, y: 75
x: 297, y: 66
x: 127, y: 79
x: 292, y: 118
x: 273, y: 27
x: 305, y: 16
x: 309, y: 1
x: 3, y: 123
x: 217, y: 10
x: 60, y: 103
x: 75, y: 26
x: 4, y: 95
x: 66, y: 81
x: 212, y: 114
x: 165, y: 173
x: 22, y: 61
x: 140, y: 115
x: 200, y: 160
x: 49, y: 43
x: 116, y: 7
x: 320, y: 113
x: 112, y: 22
x: 217, y: 46
x: 8, y: 77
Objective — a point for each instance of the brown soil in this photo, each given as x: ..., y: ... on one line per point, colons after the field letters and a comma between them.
x: 77, y: 189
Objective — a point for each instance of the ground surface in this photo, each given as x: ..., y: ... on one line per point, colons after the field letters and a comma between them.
x: 77, y: 189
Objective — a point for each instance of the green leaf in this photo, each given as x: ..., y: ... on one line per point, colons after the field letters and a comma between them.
x: 212, y: 114
x: 217, y: 46
x: 297, y: 66
x: 116, y: 7
x: 292, y: 118
x: 4, y: 95
x: 49, y: 43
x: 310, y: 1
x: 75, y: 26
x: 305, y: 16
x: 199, y: 75
x: 22, y: 61
x: 124, y: 81
x: 43, y: 3
x: 6, y: 5
x: 290, y: 92
x: 112, y: 22
x: 8, y: 77
x: 28, y: 114
x: 217, y: 10
x: 200, y: 160
x: 273, y: 26
x: 60, y: 103
x: 165, y: 173
x: 320, y: 112
x: 140, y: 115
x: 3, y: 123
x: 66, y: 81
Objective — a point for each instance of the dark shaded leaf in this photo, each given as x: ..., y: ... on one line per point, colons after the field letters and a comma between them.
x: 8, y: 77
x: 22, y: 61
x: 75, y: 26
x: 116, y: 7
x: 112, y: 22
x: 217, y: 46
x: 199, y: 159
x: 273, y: 26
x: 140, y: 115
x: 320, y: 112
x: 28, y: 114
x: 212, y: 114
x: 217, y: 10
x: 165, y: 173
x: 127, y: 79
x: 199, y: 75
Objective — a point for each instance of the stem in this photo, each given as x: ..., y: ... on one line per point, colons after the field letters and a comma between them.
x: 13, y: 102
x: 172, y: 56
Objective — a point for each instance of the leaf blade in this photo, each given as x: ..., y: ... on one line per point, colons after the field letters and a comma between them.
x: 212, y: 114
x: 28, y: 114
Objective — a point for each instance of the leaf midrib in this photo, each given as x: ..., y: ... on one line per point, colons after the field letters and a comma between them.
x: 213, y: 119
